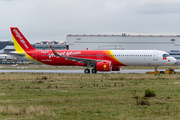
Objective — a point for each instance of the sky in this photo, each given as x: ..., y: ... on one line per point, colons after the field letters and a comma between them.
x: 54, y: 19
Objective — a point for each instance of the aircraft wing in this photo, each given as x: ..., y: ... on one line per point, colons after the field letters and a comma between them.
x: 80, y: 60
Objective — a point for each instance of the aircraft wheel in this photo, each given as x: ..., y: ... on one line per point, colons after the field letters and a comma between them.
x: 94, y: 71
x: 86, y: 71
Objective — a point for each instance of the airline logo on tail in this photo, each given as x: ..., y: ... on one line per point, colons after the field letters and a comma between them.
x: 21, y: 38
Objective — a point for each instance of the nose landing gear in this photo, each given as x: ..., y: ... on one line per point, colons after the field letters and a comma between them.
x: 155, y: 68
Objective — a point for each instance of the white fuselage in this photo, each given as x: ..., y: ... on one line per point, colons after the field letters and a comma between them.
x: 143, y: 57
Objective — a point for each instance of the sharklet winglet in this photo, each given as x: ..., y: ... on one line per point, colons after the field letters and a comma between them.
x: 55, y: 53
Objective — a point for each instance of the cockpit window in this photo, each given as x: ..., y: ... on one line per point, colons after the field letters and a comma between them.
x: 165, y: 55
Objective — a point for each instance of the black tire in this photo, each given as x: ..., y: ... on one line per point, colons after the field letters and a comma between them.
x: 94, y: 71
x: 86, y: 71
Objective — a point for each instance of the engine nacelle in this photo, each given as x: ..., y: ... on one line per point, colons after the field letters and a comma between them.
x: 104, y: 66
x: 116, y: 68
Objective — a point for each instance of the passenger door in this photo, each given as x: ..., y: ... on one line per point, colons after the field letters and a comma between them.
x: 155, y: 55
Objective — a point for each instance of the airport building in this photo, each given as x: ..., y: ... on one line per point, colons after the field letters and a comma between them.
x: 5, y: 47
x: 45, y: 45
x: 3, y: 44
x: 168, y: 43
x: 5, y: 57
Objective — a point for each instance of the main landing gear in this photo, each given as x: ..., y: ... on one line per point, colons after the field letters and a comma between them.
x: 90, y: 64
x: 88, y: 71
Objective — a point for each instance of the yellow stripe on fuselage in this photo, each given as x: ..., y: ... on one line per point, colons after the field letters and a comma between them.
x: 114, y: 57
x: 20, y: 50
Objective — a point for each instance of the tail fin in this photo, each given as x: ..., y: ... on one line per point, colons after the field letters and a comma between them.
x: 20, y: 42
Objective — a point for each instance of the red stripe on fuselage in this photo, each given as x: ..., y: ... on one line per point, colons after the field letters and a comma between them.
x: 47, y: 56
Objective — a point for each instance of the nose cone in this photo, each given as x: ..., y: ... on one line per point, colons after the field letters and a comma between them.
x: 173, y: 60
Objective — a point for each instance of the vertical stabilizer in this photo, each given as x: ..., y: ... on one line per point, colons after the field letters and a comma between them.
x: 20, y: 42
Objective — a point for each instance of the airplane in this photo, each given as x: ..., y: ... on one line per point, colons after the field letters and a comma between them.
x: 100, y: 60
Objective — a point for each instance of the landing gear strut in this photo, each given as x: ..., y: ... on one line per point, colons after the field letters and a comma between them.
x: 87, y: 70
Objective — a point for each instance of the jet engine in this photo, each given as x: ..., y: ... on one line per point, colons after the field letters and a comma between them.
x: 104, y: 66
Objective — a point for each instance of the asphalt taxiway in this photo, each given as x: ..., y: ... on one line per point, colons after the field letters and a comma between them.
x: 77, y: 71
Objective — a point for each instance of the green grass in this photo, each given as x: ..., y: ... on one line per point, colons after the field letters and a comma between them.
x: 88, y: 96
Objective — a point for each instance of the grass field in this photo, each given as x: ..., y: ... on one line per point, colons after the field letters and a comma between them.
x: 88, y: 96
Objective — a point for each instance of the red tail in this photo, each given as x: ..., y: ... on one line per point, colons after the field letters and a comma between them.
x: 20, y: 40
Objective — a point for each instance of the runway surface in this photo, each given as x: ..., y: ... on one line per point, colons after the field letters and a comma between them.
x: 77, y: 71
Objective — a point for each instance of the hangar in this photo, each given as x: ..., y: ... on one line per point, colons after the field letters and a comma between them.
x: 168, y: 43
